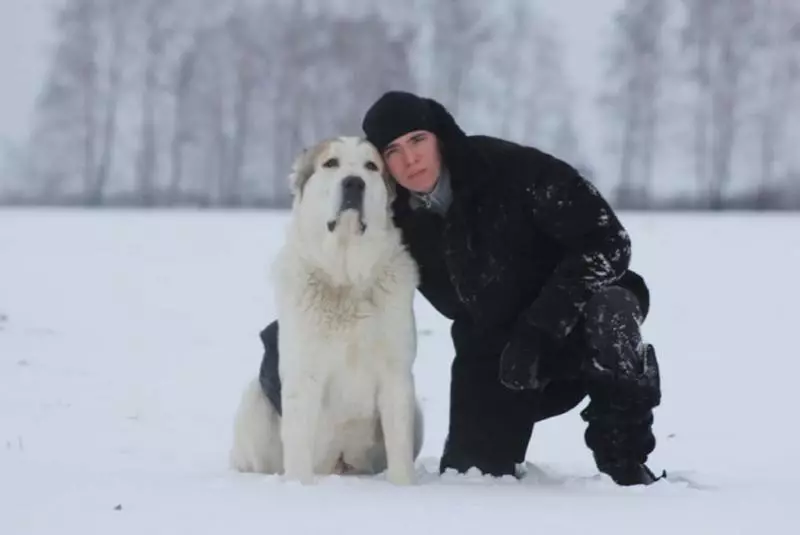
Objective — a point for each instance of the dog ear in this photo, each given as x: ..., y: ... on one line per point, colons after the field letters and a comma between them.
x: 391, y: 185
x: 302, y: 169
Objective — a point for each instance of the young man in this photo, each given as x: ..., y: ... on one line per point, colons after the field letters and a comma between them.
x: 532, y: 266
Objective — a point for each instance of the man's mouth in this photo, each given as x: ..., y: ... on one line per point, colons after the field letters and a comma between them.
x: 417, y: 174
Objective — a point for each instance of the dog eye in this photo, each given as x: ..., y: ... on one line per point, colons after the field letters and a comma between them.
x: 331, y: 162
x: 372, y: 166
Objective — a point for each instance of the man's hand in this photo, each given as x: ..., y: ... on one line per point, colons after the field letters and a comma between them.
x: 519, y: 361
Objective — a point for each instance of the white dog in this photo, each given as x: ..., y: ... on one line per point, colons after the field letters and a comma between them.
x: 345, y: 286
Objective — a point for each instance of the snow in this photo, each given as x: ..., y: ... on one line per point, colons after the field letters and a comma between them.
x: 126, y: 338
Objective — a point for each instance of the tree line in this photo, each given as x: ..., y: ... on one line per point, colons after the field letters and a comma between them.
x: 206, y: 102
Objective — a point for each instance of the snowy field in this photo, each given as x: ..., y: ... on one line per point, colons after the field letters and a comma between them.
x: 126, y: 338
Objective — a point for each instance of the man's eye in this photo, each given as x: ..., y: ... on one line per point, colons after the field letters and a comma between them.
x: 371, y: 166
x: 331, y: 162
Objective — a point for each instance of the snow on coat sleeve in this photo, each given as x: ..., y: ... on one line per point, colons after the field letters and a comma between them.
x: 571, y: 210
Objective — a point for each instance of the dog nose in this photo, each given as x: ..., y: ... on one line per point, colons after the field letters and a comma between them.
x: 353, y: 184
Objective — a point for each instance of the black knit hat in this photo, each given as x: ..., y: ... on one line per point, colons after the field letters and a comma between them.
x: 397, y: 113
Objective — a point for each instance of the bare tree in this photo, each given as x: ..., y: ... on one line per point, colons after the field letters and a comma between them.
x: 778, y: 49
x: 79, y: 104
x: 117, y: 28
x: 181, y: 135
x: 147, y: 161
x: 545, y: 104
x: 459, y: 29
x: 721, y: 36
x: 698, y: 37
x: 637, y: 67
x: 186, y: 32
x: 734, y: 26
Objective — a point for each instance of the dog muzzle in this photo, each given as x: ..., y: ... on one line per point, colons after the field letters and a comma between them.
x: 352, y: 200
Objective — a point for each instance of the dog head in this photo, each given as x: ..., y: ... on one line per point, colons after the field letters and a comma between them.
x: 341, y: 186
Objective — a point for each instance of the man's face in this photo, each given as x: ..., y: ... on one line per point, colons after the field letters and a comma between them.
x: 414, y: 161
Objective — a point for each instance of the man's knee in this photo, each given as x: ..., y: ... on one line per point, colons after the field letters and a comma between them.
x: 619, y: 364
x: 463, y: 458
x: 612, y: 334
x: 490, y: 426
x: 634, y: 282
x: 609, y: 305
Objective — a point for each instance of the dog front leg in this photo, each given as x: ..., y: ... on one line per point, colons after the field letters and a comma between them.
x: 396, y: 405
x: 302, y: 397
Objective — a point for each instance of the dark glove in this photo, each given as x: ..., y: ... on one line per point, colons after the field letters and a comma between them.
x: 520, y: 359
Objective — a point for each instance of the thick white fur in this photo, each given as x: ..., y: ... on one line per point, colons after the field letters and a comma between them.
x: 347, y: 339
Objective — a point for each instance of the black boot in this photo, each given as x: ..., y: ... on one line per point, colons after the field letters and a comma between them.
x: 629, y: 473
x: 621, y: 439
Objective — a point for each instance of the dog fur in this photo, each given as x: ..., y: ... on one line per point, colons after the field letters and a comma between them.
x: 344, y: 288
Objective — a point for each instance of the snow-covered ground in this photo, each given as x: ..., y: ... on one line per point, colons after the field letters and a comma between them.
x: 125, y: 340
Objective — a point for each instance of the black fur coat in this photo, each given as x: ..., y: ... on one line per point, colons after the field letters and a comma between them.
x: 526, y: 239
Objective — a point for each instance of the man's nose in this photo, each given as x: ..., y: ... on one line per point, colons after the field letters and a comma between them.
x: 410, y: 156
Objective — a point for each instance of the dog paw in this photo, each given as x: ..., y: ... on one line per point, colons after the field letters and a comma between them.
x: 304, y: 477
x: 401, y: 477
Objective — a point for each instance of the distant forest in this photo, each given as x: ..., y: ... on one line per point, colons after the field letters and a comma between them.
x: 158, y: 103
